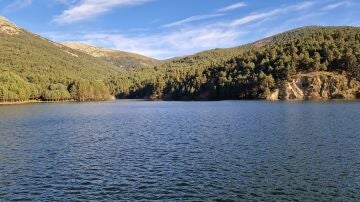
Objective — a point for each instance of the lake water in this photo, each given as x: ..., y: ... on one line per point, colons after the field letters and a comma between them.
x: 180, y: 151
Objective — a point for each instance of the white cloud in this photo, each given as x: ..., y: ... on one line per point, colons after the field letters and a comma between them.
x: 165, y: 45
x: 232, y: 7
x: 192, y: 19
x: 336, y: 5
x: 185, y: 40
x: 86, y: 9
x: 301, y: 6
x: 16, y: 5
x: 254, y: 17
x: 220, y: 12
x: 264, y: 15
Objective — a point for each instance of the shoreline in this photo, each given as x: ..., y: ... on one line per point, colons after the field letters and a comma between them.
x: 32, y: 102
x: 43, y: 101
x: 162, y: 100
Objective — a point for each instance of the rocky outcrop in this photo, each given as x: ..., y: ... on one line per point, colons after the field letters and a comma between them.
x: 318, y: 85
x: 7, y: 27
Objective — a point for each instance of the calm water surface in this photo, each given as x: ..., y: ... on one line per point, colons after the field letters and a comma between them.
x: 180, y: 151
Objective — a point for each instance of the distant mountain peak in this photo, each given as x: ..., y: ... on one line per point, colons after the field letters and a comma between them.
x: 118, y: 58
x: 2, y: 18
x: 89, y: 49
x: 7, y: 27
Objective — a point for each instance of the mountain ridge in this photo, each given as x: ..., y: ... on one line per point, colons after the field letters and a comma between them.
x: 121, y: 59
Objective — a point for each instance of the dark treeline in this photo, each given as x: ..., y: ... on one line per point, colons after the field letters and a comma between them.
x: 33, y: 68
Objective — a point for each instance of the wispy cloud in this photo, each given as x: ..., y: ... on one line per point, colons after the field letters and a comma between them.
x: 192, y: 19
x: 264, y: 15
x: 16, y: 5
x: 184, y: 40
x: 301, y: 6
x: 255, y: 17
x: 162, y: 45
x: 232, y: 7
x: 220, y: 12
x: 86, y: 9
x: 336, y: 5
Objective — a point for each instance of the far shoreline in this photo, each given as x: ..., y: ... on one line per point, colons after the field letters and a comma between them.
x: 28, y: 102
x: 33, y: 102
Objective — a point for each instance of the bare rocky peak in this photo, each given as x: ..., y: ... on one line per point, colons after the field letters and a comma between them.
x: 91, y: 50
x: 105, y: 52
x: 7, y: 27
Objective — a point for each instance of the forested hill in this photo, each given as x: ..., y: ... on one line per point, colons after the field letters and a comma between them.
x: 33, y: 67
x: 219, y: 56
x: 306, y: 63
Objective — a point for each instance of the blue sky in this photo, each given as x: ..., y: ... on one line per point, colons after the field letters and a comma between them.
x: 169, y: 28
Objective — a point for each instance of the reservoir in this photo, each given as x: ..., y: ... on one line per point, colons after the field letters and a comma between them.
x: 180, y: 151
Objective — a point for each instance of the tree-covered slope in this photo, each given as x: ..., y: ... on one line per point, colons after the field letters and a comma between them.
x: 218, y: 56
x: 36, y: 67
x: 120, y: 59
x: 260, y: 69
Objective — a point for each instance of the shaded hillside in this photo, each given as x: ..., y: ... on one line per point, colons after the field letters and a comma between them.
x: 118, y: 58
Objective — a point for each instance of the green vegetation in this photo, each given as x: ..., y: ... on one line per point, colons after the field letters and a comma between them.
x: 252, y: 71
x: 13, y: 88
x: 35, y: 68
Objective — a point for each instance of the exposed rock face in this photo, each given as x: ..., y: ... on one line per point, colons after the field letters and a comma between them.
x: 6, y: 27
x: 274, y: 95
x: 318, y: 85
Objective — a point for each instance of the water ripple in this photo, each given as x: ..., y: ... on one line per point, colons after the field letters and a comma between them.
x: 180, y: 151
